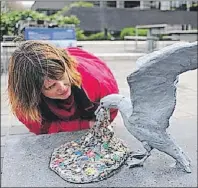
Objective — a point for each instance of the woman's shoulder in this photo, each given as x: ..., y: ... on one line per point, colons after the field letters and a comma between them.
x: 90, y: 65
x: 96, y: 75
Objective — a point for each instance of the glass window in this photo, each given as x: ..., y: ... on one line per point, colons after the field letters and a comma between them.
x: 95, y: 3
x: 131, y: 4
x: 111, y: 3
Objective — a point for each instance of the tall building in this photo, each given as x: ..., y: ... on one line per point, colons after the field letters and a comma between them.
x: 7, y: 6
x: 50, y: 7
x: 4, y: 6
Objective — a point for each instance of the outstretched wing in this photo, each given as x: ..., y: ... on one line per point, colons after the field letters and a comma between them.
x: 152, y: 86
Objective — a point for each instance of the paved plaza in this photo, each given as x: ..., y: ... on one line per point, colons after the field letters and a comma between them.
x: 23, y: 153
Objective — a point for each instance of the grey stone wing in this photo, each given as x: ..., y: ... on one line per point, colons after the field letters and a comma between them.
x: 153, y: 85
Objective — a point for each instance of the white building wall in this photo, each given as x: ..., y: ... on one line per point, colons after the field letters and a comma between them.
x: 146, y: 4
x: 119, y: 4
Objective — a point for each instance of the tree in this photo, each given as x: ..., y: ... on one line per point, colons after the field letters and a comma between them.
x: 10, y: 19
x: 76, y: 4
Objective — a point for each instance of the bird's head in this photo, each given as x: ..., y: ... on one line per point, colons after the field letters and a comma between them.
x: 110, y: 101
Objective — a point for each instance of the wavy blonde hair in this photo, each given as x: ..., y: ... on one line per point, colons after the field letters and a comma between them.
x: 29, y: 65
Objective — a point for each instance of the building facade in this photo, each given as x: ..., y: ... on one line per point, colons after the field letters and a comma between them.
x: 53, y: 6
x: 161, y: 5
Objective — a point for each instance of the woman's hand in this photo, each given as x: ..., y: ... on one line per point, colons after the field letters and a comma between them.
x: 91, y: 124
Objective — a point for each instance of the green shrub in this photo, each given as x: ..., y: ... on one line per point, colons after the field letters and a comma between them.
x: 75, y: 4
x: 62, y: 20
x: 99, y: 36
x: 130, y: 31
x: 142, y: 32
x: 82, y: 4
x: 9, y: 20
x: 80, y: 34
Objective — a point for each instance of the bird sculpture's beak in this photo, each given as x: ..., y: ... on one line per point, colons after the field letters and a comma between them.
x: 103, y: 112
x: 97, y: 110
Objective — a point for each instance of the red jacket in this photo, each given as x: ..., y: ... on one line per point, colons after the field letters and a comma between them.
x: 97, y: 82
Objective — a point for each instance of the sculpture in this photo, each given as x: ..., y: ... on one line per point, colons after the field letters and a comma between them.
x: 153, y: 98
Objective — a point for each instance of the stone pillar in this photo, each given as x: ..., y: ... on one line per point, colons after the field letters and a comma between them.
x: 188, y: 4
x: 144, y: 5
x: 141, y: 5
x: 165, y: 5
x: 177, y: 4
x: 157, y: 4
x: 102, y: 4
x: 120, y: 4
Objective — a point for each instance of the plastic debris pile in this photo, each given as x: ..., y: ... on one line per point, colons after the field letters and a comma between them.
x: 94, y: 157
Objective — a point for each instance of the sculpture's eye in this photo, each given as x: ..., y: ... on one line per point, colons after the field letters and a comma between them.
x: 101, y: 103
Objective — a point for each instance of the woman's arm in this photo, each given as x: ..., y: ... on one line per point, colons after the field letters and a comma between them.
x: 56, y: 126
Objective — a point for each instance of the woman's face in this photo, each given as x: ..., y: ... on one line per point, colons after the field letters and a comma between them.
x: 57, y: 89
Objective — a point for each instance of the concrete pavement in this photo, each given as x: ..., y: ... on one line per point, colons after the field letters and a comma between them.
x: 26, y: 156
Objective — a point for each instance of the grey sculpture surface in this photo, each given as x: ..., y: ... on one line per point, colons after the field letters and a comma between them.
x: 153, y: 99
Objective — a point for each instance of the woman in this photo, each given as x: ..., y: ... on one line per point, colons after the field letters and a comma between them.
x: 55, y: 90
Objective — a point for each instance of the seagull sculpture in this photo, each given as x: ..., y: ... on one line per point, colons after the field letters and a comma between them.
x: 152, y: 100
